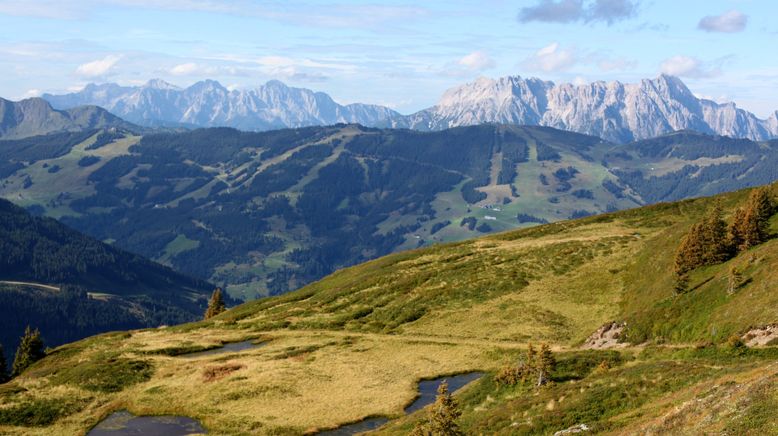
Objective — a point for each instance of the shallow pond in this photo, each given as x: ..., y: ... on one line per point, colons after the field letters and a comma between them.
x: 428, y: 389
x: 232, y: 347
x: 124, y: 423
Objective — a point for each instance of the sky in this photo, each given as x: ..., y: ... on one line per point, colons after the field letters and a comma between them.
x: 395, y: 53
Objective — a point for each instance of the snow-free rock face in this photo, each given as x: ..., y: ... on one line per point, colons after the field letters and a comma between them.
x: 611, y: 110
x: 209, y: 104
x: 614, y: 111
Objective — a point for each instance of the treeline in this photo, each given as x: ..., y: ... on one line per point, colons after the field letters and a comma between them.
x: 43, y: 250
x: 70, y: 314
x: 711, y: 241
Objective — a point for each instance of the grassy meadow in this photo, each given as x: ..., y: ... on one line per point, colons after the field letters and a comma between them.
x: 356, y: 343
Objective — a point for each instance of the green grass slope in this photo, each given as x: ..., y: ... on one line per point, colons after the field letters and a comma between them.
x: 356, y: 343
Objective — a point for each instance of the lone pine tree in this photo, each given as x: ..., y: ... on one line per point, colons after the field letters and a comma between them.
x: 215, y: 305
x: 442, y: 416
x: 545, y: 364
x: 30, y: 350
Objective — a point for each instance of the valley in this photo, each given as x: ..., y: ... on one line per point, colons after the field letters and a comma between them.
x: 532, y: 218
x: 265, y: 213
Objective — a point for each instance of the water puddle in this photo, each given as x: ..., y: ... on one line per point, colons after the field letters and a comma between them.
x: 232, y: 347
x: 365, y: 425
x: 124, y: 423
x: 428, y: 389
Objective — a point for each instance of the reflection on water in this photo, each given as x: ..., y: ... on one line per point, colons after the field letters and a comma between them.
x: 233, y: 347
x: 124, y: 423
x: 428, y: 389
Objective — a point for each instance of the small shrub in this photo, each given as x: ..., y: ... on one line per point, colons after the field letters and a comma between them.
x: 734, y: 342
x: 512, y: 375
x: 602, y: 367
x: 216, y: 372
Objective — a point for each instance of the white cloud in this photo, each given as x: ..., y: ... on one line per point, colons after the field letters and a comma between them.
x: 186, y: 69
x: 728, y: 22
x: 551, y: 58
x: 477, y: 61
x: 98, y: 68
x: 30, y: 93
x: 687, y: 66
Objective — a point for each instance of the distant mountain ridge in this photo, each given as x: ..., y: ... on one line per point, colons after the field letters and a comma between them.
x: 35, y: 116
x: 209, y: 104
x: 611, y: 110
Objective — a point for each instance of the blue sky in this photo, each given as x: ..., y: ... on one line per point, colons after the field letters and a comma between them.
x: 396, y: 53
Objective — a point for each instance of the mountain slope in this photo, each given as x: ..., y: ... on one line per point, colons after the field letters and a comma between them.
x: 209, y: 104
x: 269, y: 212
x: 354, y: 344
x: 72, y: 286
x: 35, y: 116
x: 613, y: 111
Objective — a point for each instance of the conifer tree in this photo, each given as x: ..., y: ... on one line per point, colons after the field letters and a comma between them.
x: 545, y: 364
x: 716, y: 247
x: 30, y: 350
x: 752, y: 226
x: 707, y: 243
x: 3, y: 366
x: 735, y: 232
x: 442, y: 416
x: 735, y: 279
x: 761, y: 202
x: 215, y: 305
x: 531, y: 355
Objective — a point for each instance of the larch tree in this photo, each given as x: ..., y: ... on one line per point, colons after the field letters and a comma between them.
x: 545, y: 364
x: 442, y: 416
x: 751, y: 226
x: 736, y: 231
x: 707, y: 243
x: 215, y: 305
x: 31, y: 350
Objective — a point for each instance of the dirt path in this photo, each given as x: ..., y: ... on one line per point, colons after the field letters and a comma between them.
x: 37, y: 285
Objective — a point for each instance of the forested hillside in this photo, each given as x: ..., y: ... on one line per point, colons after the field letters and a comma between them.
x: 71, y: 286
x: 269, y: 212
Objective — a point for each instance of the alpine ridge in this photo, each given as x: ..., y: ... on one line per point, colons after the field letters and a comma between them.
x: 209, y: 104
x: 35, y: 116
x: 611, y: 110
x: 614, y: 111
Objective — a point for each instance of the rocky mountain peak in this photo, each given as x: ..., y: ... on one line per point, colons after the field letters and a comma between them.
x: 159, y: 84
